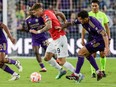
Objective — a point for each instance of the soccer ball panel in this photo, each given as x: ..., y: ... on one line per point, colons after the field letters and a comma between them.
x: 35, y: 77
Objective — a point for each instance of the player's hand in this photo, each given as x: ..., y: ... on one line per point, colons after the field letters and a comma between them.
x: 83, y: 43
x: 13, y: 40
x: 34, y: 31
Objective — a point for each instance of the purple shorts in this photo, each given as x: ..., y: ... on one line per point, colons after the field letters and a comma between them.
x: 3, y: 47
x: 94, y: 46
x: 40, y: 42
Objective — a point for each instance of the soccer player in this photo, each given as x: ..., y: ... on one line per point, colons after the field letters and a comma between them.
x: 101, y: 16
x: 59, y: 43
x: 99, y: 43
x: 3, y: 52
x: 35, y: 23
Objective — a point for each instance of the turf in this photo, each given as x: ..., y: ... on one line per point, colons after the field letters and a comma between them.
x: 48, y: 78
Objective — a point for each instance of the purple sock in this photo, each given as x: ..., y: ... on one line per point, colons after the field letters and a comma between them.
x: 93, y: 62
x: 11, y: 61
x: 41, y: 65
x: 7, y: 69
x: 79, y: 64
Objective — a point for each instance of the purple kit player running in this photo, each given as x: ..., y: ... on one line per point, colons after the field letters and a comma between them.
x: 99, y: 43
x: 3, y: 52
x: 33, y: 22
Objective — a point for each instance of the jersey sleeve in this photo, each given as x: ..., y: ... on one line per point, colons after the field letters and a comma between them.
x: 46, y: 17
x: 106, y: 20
x: 98, y: 27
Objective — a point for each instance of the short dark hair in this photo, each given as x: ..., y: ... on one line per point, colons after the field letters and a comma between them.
x: 83, y: 14
x: 36, y: 6
x: 95, y: 1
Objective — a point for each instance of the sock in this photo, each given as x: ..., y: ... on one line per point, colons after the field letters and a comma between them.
x: 103, y: 63
x: 79, y: 64
x: 93, y: 62
x: 54, y: 64
x: 92, y: 69
x: 7, y: 69
x: 41, y: 65
x: 69, y: 66
x: 11, y: 61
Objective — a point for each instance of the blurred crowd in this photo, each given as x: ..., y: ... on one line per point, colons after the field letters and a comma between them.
x: 68, y: 7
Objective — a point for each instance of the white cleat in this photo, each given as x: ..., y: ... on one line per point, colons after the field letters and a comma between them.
x: 19, y: 66
x: 15, y: 76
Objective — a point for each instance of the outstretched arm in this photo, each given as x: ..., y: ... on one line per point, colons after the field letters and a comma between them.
x: 48, y: 25
x: 105, y: 38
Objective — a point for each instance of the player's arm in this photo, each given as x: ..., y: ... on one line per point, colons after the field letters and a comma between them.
x: 83, y: 36
x: 61, y: 15
x: 107, y: 30
x: 6, y: 29
x: 48, y: 25
x: 105, y: 38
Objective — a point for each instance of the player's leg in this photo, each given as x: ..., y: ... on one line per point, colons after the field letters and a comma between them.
x: 92, y: 48
x: 93, y: 75
x: 50, y: 51
x: 93, y: 72
x: 77, y: 76
x: 103, y: 63
x: 14, y: 62
x: 62, y: 53
x: 39, y: 59
x: 6, y: 68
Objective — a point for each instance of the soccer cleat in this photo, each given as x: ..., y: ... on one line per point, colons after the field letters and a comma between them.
x: 104, y: 74
x: 61, y: 73
x: 15, y: 76
x: 99, y: 75
x: 43, y: 70
x: 76, y: 78
x: 93, y: 75
x: 19, y: 66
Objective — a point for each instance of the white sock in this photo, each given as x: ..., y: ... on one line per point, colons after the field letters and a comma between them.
x: 54, y: 64
x: 69, y: 66
x: 97, y: 71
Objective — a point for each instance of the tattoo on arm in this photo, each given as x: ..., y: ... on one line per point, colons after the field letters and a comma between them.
x: 48, y: 25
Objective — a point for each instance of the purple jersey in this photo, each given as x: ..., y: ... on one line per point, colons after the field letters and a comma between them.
x: 3, y: 41
x: 2, y: 35
x: 36, y: 23
x: 94, y: 28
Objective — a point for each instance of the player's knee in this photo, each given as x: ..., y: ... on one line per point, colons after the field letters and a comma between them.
x: 1, y: 61
x: 1, y: 65
x: 47, y: 58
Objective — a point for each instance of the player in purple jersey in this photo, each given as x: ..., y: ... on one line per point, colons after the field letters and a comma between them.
x: 99, y: 43
x: 3, y: 52
x: 36, y: 23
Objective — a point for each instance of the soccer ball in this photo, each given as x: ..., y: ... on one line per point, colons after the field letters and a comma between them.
x: 35, y: 77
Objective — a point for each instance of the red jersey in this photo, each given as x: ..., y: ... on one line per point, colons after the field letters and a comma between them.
x: 54, y: 31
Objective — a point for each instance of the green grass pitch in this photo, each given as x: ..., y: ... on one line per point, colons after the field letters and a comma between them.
x: 48, y: 78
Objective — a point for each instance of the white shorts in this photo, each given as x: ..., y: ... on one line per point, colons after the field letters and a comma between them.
x: 59, y: 47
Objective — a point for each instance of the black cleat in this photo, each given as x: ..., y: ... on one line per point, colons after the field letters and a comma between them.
x: 93, y: 75
x: 99, y: 75
x: 104, y: 74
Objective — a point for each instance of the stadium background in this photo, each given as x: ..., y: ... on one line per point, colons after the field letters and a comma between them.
x: 13, y: 13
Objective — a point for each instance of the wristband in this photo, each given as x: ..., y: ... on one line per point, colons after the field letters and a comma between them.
x: 38, y: 31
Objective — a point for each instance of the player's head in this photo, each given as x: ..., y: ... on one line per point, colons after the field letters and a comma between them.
x: 37, y: 9
x: 95, y: 5
x: 83, y: 16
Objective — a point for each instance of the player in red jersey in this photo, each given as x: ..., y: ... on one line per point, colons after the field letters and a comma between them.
x: 59, y: 43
